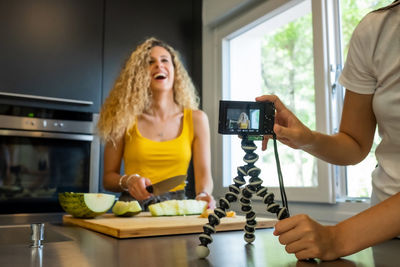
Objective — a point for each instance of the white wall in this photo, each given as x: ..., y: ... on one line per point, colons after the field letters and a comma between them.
x: 214, y: 11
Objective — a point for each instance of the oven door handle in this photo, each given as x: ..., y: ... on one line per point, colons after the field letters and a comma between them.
x: 37, y: 134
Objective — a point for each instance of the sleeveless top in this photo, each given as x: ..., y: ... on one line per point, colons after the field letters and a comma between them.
x: 159, y: 160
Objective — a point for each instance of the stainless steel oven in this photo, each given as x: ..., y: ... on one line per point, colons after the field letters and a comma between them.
x: 44, y: 152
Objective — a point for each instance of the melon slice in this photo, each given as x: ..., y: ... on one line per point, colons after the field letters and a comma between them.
x: 126, y: 208
x: 178, y: 207
x: 86, y: 205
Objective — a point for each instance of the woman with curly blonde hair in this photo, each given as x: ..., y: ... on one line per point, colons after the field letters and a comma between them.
x: 151, y: 121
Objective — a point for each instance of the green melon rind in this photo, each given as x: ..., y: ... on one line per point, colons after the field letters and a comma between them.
x: 126, y: 209
x: 178, y: 207
x: 80, y: 205
x: 129, y: 214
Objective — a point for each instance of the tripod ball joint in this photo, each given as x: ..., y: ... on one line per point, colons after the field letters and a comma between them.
x: 202, y: 251
x: 283, y: 214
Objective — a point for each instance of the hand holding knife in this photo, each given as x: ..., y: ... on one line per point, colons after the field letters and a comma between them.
x: 165, y: 185
x: 142, y: 187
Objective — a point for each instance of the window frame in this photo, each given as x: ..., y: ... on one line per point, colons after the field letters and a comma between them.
x: 334, y: 35
x: 215, y: 78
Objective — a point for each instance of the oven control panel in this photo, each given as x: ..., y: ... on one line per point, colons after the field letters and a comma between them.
x: 50, y: 125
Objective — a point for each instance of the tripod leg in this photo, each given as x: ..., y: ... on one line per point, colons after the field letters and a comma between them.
x: 251, y: 222
x: 250, y: 158
x: 255, y: 182
x: 254, y: 187
x: 214, y: 219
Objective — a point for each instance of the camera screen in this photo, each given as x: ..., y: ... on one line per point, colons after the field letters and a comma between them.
x: 242, y: 119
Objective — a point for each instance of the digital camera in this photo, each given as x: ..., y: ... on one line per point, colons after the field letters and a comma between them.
x: 246, y: 118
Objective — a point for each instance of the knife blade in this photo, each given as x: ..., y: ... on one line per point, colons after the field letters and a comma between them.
x: 165, y: 185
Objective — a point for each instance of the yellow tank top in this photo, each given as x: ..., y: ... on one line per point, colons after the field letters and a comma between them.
x: 159, y: 160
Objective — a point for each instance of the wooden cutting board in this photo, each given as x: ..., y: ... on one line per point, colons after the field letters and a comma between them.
x: 144, y: 224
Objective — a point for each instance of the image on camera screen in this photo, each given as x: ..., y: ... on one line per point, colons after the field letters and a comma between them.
x: 242, y: 119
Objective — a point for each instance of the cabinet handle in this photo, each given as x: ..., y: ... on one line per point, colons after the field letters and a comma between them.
x: 51, y: 99
x: 38, y: 134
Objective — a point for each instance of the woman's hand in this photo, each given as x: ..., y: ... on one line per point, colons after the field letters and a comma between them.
x: 288, y: 128
x: 207, y: 197
x: 137, y: 187
x: 306, y: 238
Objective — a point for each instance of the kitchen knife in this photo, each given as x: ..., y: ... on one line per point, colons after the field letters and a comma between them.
x: 166, y: 185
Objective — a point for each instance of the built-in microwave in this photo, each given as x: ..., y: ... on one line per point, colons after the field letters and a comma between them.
x: 44, y: 152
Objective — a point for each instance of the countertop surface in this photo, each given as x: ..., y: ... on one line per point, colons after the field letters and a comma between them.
x: 67, y: 245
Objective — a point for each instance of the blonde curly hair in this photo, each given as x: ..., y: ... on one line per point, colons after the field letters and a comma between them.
x: 131, y: 94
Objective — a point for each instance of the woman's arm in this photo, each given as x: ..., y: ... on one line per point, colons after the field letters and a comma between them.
x: 112, y: 179
x: 202, y: 158
x: 112, y: 165
x: 350, y: 146
x: 308, y: 239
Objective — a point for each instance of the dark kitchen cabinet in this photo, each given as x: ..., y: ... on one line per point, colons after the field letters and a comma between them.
x: 128, y: 23
x: 52, y: 48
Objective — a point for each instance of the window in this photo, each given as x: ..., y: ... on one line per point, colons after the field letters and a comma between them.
x: 276, y: 57
x: 294, y: 49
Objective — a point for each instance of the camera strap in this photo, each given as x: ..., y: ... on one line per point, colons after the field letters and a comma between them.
x: 280, y: 176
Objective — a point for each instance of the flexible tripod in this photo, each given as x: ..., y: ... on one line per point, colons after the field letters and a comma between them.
x: 253, y: 187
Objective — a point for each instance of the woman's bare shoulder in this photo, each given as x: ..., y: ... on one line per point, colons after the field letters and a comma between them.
x: 199, y: 116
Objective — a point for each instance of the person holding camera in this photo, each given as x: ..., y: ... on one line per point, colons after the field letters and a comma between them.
x: 372, y: 81
x: 151, y: 121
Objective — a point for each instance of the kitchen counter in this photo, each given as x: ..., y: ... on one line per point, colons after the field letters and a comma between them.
x: 67, y: 245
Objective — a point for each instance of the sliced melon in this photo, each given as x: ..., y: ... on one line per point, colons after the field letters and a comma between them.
x: 86, y: 205
x: 178, y: 207
x: 126, y: 208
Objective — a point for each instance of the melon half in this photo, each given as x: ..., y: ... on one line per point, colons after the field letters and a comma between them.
x: 86, y: 205
x: 178, y: 207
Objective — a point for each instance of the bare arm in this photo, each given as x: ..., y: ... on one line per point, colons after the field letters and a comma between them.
x: 112, y: 165
x: 202, y: 157
x: 350, y: 146
x: 308, y: 239
x: 370, y: 227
